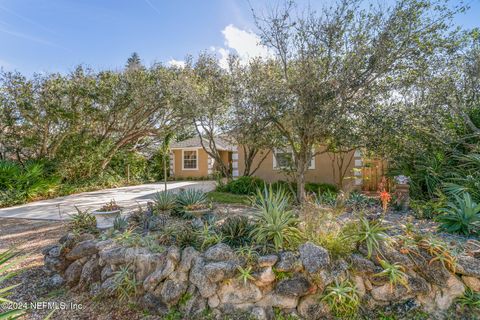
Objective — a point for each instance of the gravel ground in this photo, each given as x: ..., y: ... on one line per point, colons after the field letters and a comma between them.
x: 31, y: 236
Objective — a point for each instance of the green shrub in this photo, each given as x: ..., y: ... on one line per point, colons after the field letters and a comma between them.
x: 21, y: 183
x: 310, y: 187
x: 236, y: 231
x: 165, y: 201
x: 461, y: 216
x: 244, y: 185
x: 274, y: 222
x: 342, y: 299
x: 318, y: 188
x: 426, y: 209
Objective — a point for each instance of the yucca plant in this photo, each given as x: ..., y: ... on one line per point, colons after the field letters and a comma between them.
x: 192, y: 199
x: 165, y: 201
x: 372, y: 234
x: 394, y: 272
x: 343, y: 299
x: 461, y: 216
x: 7, y: 261
x: 273, y: 221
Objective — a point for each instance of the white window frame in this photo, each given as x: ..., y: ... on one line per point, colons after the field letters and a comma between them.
x: 183, y: 159
x: 275, y: 167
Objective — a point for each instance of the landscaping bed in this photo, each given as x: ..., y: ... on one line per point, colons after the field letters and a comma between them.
x: 325, y: 262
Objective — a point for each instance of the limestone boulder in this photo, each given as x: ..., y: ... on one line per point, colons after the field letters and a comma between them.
x: 83, y: 249
x: 219, y: 252
x: 314, y: 258
x: 297, y: 286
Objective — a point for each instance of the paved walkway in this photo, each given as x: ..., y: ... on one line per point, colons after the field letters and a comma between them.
x: 128, y: 197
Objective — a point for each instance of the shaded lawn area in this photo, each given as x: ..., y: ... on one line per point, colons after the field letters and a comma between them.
x: 225, y: 197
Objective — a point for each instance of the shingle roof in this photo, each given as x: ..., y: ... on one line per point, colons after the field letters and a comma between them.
x: 194, y: 142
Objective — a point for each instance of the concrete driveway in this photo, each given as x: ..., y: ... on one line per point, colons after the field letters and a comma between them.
x: 128, y: 197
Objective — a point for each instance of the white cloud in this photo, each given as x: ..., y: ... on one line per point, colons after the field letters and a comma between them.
x: 176, y: 63
x: 246, y: 44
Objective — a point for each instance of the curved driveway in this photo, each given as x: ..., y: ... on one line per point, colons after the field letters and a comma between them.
x: 60, y: 208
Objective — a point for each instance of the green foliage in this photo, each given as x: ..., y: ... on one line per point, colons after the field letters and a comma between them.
x: 230, y: 198
x: 320, y: 188
x: 426, y: 209
x: 470, y: 299
x: 461, y: 216
x: 236, y: 230
x: 358, y: 201
x: 207, y: 237
x: 282, y: 275
x: 248, y: 254
x: 83, y: 222
x: 192, y: 199
x: 244, y: 185
x: 328, y: 198
x: 372, y: 234
x: 274, y: 222
x: 245, y: 274
x: 7, y: 261
x: 125, y: 286
x: 165, y: 201
x: 439, y: 250
x: 394, y: 272
x: 20, y: 183
x: 129, y: 238
x: 342, y: 299
x: 120, y: 223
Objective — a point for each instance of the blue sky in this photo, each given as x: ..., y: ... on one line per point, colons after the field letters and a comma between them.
x: 57, y: 35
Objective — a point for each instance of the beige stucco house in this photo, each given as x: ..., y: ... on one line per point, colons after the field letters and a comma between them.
x: 188, y: 159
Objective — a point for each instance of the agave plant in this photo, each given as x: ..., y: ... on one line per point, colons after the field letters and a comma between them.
x: 165, y: 200
x: 192, y: 199
x: 274, y: 222
x: 461, y: 216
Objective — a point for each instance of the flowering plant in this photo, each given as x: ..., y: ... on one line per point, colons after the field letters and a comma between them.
x: 385, y: 198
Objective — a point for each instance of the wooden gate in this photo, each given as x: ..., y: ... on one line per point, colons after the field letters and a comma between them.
x: 372, y: 172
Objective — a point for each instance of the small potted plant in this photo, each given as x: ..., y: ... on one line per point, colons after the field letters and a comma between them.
x: 106, y: 215
x: 194, y: 202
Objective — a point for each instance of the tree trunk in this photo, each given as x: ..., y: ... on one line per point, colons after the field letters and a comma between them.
x: 165, y: 170
x: 300, y: 176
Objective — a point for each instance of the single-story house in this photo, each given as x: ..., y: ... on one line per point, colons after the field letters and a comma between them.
x: 188, y: 159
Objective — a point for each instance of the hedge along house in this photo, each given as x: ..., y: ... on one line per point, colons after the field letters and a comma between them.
x: 188, y: 160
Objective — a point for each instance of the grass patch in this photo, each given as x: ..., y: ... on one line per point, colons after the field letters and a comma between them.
x: 225, y: 197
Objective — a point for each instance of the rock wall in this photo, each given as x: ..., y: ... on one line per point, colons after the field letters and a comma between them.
x: 291, y: 281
